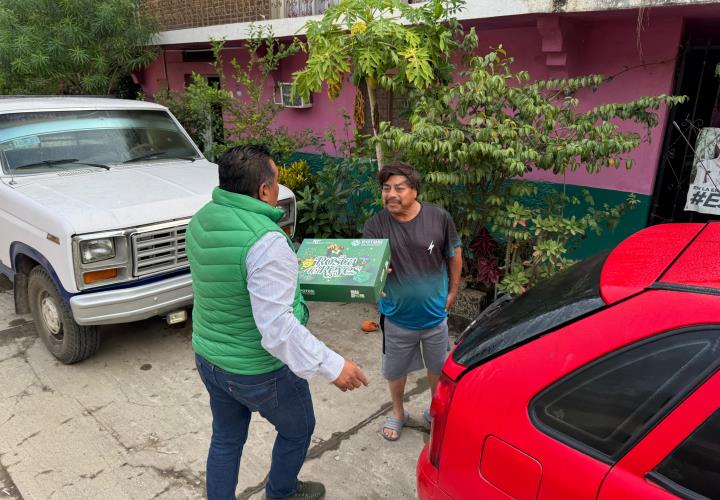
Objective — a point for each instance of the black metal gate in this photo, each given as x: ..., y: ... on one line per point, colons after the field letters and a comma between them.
x: 698, y: 78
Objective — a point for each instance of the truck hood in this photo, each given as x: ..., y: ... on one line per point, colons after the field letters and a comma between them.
x: 98, y: 200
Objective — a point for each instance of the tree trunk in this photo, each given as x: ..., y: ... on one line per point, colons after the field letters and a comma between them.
x: 371, y: 90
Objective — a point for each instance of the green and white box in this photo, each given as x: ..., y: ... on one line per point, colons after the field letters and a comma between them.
x: 343, y: 270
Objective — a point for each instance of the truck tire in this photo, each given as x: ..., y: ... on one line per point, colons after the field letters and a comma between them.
x: 65, y: 339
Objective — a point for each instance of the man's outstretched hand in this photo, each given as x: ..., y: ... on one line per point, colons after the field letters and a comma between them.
x: 351, y: 377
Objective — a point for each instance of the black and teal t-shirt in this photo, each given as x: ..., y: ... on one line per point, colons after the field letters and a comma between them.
x: 417, y: 288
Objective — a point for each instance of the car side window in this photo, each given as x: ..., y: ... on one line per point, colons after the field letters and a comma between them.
x: 604, y: 407
x: 693, y: 468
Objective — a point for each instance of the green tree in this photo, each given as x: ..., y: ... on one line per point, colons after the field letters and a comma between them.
x: 71, y: 46
x: 251, y: 114
x: 199, y: 110
x: 381, y: 43
x: 218, y: 119
x: 475, y: 139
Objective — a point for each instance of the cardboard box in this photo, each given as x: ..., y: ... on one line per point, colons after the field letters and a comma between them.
x: 343, y: 270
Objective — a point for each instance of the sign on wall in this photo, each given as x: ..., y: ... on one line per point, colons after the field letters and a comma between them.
x: 704, y: 190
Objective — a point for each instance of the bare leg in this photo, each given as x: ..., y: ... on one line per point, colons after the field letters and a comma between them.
x: 397, y: 393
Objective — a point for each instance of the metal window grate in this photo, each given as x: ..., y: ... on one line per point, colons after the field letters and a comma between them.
x: 159, y: 250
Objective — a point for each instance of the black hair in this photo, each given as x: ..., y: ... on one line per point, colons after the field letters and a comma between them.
x: 243, y: 169
x: 399, y: 168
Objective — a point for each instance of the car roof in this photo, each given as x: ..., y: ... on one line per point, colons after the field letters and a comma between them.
x: 677, y: 256
x: 10, y: 104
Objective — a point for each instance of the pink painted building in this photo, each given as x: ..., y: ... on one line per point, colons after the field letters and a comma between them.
x: 649, y: 47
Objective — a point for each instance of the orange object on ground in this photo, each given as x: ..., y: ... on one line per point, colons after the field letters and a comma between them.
x: 369, y: 326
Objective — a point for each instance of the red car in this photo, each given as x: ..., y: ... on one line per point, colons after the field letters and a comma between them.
x: 600, y: 383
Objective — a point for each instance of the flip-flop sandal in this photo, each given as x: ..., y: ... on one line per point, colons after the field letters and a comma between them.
x: 426, y: 416
x: 394, y: 424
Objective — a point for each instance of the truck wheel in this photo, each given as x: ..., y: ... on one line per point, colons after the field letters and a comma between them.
x: 65, y: 339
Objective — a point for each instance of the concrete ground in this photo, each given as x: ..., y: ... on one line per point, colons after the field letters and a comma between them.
x: 133, y: 421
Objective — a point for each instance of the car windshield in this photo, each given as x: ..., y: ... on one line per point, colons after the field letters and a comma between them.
x: 560, y: 299
x: 44, y: 141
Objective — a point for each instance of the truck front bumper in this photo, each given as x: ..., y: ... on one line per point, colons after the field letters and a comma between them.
x: 134, y: 303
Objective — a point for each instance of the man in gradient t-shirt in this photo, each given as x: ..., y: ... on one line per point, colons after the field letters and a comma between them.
x: 426, y: 263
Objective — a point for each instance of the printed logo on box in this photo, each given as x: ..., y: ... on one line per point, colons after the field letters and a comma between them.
x: 334, y: 267
x: 305, y: 291
x: 355, y: 294
x: 366, y: 243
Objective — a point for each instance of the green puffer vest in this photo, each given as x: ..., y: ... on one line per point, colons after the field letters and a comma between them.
x: 217, y: 241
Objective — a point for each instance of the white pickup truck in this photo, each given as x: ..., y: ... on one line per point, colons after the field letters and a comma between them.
x: 95, y: 195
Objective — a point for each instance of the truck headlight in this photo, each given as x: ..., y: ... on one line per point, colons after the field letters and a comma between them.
x: 101, y: 258
x: 97, y: 250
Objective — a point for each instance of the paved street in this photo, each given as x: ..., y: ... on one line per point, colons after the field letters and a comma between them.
x: 133, y: 422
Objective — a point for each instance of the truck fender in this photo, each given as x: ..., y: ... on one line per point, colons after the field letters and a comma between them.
x: 24, y: 258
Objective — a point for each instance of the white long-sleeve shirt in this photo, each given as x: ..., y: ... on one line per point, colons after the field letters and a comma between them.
x: 272, y: 274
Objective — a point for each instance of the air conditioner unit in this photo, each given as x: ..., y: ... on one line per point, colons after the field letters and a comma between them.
x: 287, y: 100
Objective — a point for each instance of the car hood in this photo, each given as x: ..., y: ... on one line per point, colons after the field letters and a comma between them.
x: 92, y: 200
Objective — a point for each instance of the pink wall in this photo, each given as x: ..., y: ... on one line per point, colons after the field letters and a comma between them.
x: 547, y: 47
x: 170, y: 70
x: 323, y: 113
x: 602, y: 47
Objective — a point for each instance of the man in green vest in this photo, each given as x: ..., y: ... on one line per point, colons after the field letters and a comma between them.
x: 252, y: 349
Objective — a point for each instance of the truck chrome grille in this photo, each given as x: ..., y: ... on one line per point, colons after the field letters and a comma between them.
x: 159, y: 250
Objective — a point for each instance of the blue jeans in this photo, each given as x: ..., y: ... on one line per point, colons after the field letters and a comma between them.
x: 283, y: 399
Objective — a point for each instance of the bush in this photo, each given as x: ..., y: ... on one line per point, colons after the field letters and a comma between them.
x: 537, y: 238
x: 199, y: 110
x: 345, y: 194
x: 296, y: 176
x: 251, y: 117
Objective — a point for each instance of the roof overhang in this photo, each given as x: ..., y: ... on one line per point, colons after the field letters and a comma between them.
x: 474, y: 9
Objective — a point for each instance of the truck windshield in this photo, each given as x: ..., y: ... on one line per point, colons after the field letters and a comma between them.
x: 548, y: 305
x: 44, y: 141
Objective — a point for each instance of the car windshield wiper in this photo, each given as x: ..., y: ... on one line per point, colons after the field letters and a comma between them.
x: 60, y: 162
x: 159, y: 154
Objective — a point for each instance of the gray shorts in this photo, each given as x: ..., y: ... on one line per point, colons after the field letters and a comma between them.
x: 406, y: 351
